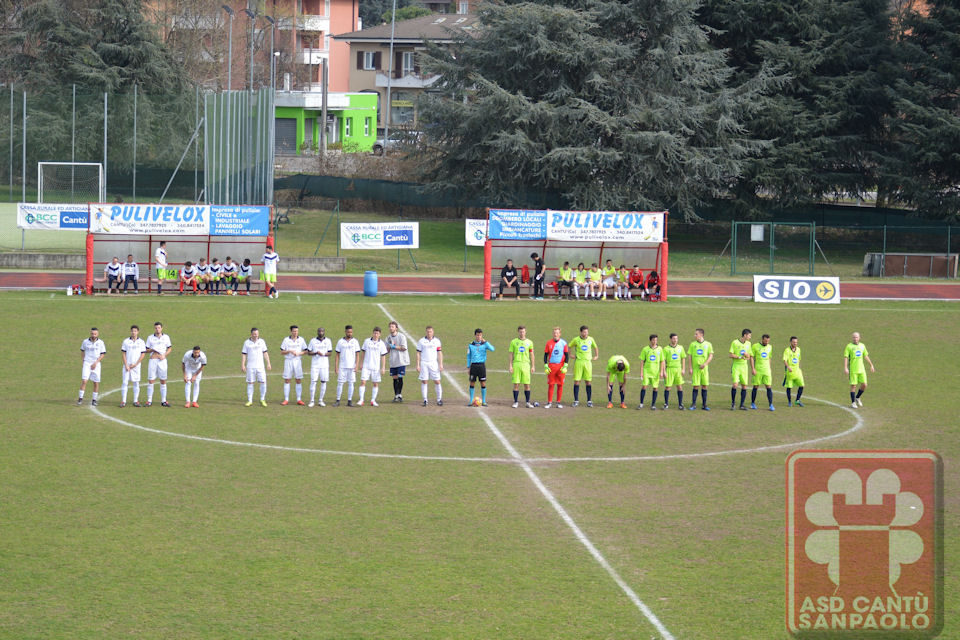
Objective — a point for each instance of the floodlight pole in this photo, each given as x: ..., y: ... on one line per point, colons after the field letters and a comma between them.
x: 229, y: 49
x: 386, y: 119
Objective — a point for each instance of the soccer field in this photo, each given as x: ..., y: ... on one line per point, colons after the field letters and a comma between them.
x: 405, y: 521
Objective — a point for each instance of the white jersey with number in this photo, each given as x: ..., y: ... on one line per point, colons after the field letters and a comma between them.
x: 372, y: 351
x: 254, y: 349
x: 270, y: 261
x: 157, y: 367
x: 158, y: 344
x: 428, y: 349
x: 160, y: 257
x: 194, y: 365
x: 132, y: 349
x: 348, y: 352
x: 293, y: 344
x: 92, y: 350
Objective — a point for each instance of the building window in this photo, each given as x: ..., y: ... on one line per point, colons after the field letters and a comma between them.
x: 368, y: 60
x: 347, y: 128
x: 407, y: 65
x: 463, y: 7
x: 366, y: 127
x: 401, y: 108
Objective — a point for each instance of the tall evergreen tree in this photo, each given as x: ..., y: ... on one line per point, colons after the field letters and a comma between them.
x: 924, y: 167
x: 826, y: 121
x: 611, y: 104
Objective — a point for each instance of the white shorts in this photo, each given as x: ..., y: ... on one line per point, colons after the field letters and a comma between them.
x: 320, y: 372
x: 157, y: 369
x: 90, y: 373
x: 346, y: 375
x: 429, y: 371
x: 256, y: 375
x: 369, y: 374
x: 133, y: 375
x: 293, y: 369
x: 199, y: 375
x: 609, y: 282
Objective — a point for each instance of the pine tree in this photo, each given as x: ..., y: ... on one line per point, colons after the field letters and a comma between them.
x: 924, y: 166
x: 611, y: 104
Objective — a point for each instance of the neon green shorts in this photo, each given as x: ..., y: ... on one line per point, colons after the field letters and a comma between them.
x: 700, y: 377
x: 617, y: 377
x: 651, y: 379
x: 269, y: 277
x: 674, y: 378
x: 762, y: 380
x: 741, y: 375
x: 858, y: 378
x: 521, y: 373
x: 582, y: 370
x: 794, y: 379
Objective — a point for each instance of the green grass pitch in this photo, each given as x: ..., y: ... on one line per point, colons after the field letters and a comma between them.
x: 107, y: 530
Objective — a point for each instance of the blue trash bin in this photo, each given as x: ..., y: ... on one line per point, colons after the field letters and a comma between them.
x: 370, y: 284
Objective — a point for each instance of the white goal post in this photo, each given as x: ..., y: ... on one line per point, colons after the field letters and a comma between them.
x: 70, y: 182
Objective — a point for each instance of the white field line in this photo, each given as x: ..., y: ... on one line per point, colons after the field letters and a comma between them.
x: 548, y: 495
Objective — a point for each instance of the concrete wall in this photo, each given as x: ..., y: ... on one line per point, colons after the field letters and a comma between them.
x: 312, y: 265
x: 66, y: 261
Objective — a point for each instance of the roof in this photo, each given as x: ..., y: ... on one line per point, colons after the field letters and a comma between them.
x: 445, y: 27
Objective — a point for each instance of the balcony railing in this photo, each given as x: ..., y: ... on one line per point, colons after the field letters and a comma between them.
x: 313, y: 56
x: 407, y: 81
x: 306, y: 23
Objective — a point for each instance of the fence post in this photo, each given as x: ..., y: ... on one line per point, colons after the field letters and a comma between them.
x: 134, y: 142
x: 10, y: 195
x: 883, y: 256
x: 104, y: 141
x: 733, y: 248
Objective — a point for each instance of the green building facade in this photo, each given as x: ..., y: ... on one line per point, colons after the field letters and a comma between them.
x: 351, y: 122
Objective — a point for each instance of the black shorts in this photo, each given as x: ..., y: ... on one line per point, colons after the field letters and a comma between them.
x: 398, y: 371
x: 478, y: 371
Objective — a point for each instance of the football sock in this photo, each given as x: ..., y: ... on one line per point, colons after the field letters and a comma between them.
x: 704, y: 397
x: 550, y: 392
x: 373, y: 392
x: 186, y: 391
x: 400, y: 386
x: 753, y: 395
x: 323, y: 390
x: 439, y: 392
x: 576, y: 393
x: 769, y: 396
x: 286, y: 391
x: 136, y: 392
x: 472, y: 391
x: 666, y: 396
x: 339, y: 390
x: 82, y: 392
x: 483, y: 394
x: 123, y: 392
x: 526, y: 394
x: 789, y: 399
x: 859, y: 393
x: 299, y: 391
x: 621, y: 395
x: 643, y: 395
x: 743, y: 396
x: 799, y: 392
x: 263, y: 390
x: 150, y: 393
x: 654, y: 401
x: 610, y: 394
x: 733, y: 395
x: 559, y: 391
x: 95, y: 396
x: 589, y: 392
x: 249, y: 392
x: 516, y: 395
x: 363, y: 391
x: 350, y: 384
x: 313, y: 390
x: 423, y: 390
x: 695, y: 392
x: 163, y: 393
x: 680, y: 398
x: 853, y: 397
x: 196, y: 390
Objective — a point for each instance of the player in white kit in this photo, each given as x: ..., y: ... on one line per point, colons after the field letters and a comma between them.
x: 430, y: 364
x: 346, y: 360
x: 92, y: 351
x: 292, y: 348
x: 374, y: 365
x: 159, y: 347
x: 252, y: 358
x: 133, y: 350
x: 320, y: 348
x: 194, y: 362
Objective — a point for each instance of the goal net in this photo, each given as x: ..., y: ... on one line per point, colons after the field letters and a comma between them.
x: 70, y: 182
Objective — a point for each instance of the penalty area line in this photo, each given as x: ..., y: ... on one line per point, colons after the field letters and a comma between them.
x: 552, y: 500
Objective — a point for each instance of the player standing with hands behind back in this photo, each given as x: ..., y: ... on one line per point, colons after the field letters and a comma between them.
x: 521, y: 365
x: 555, y: 356
x: 430, y: 364
x: 477, y: 365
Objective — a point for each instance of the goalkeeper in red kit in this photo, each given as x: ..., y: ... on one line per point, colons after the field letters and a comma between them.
x: 555, y: 356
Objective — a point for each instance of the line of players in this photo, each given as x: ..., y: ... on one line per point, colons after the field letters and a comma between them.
x: 660, y: 363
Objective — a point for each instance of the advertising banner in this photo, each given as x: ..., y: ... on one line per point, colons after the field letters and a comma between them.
x: 517, y: 224
x: 803, y: 289
x: 605, y: 226
x: 51, y: 217
x: 385, y: 235
x: 476, y: 232
x: 180, y: 220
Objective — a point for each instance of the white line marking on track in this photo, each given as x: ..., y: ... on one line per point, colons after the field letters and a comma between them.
x: 567, y: 519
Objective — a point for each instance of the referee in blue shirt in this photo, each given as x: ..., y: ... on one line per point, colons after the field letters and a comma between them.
x: 477, y: 363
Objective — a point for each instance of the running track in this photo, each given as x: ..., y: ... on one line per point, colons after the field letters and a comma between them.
x: 458, y: 285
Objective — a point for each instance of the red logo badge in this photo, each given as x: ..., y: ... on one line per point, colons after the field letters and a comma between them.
x: 864, y: 544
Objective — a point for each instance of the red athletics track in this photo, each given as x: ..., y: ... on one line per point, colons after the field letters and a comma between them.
x: 458, y: 285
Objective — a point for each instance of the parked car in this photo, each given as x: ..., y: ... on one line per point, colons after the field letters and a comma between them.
x: 400, y: 139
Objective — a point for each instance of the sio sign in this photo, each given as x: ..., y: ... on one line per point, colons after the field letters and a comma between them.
x: 590, y: 226
x: 796, y: 289
x: 386, y: 235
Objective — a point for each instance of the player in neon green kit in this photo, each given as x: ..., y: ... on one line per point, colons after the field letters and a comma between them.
x: 580, y: 281
x: 617, y: 369
x: 701, y: 355
x: 793, y: 378
x: 675, y: 367
x: 585, y: 351
x: 521, y: 365
x: 762, y: 373
x: 653, y: 370
x: 596, y: 281
x: 740, y: 353
x: 853, y: 356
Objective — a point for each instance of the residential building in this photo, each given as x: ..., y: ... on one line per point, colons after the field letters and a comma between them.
x: 372, y: 69
x: 351, y: 121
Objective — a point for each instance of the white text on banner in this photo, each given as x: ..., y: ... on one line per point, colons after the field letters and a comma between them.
x: 383, y: 235
x: 796, y: 289
x: 476, y: 232
x: 180, y: 220
x: 605, y: 226
x: 51, y: 217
